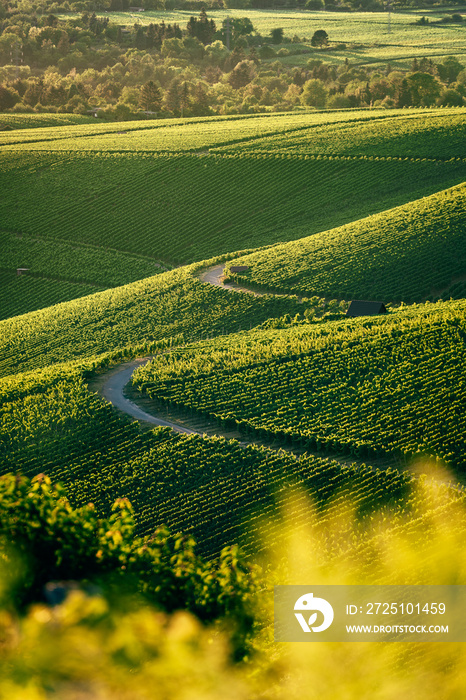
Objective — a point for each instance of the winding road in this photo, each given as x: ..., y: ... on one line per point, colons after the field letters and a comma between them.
x: 214, y: 276
x: 112, y: 389
x: 111, y: 386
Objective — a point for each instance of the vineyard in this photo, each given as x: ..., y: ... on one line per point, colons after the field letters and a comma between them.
x: 55, y: 271
x: 393, y: 385
x: 20, y: 295
x: 365, y: 34
x: 433, y: 134
x: 314, y: 448
x: 188, y: 193
x: 173, y: 134
x: 100, y: 215
x: 36, y: 121
x: 411, y: 253
x: 169, y: 305
x: 205, y: 487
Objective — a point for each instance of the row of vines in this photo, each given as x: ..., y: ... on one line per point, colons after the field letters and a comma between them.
x: 171, y: 304
x: 54, y: 271
x: 181, y: 208
x: 390, y: 386
x: 409, y: 253
x: 210, y: 488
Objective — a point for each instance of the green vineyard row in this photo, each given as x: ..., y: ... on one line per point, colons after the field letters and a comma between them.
x: 36, y: 121
x: 370, y: 387
x: 181, y: 208
x: 55, y: 271
x: 210, y: 488
x: 409, y: 253
x: 21, y: 295
x: 170, y: 304
x: 185, y: 134
x: 433, y: 134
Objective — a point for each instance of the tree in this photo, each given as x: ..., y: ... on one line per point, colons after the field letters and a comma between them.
x: 277, y: 35
x: 8, y: 98
x: 238, y: 27
x: 424, y: 89
x: 450, y: 98
x: 184, y: 97
x: 242, y: 74
x: 319, y: 38
x: 449, y: 70
x: 172, y: 99
x: 314, y: 94
x: 202, y: 28
x: 403, y: 94
x: 33, y: 93
x: 200, y: 102
x: 150, y: 97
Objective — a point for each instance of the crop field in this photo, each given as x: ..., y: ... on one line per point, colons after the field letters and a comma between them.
x: 410, y: 253
x: 432, y: 134
x: 319, y: 205
x: 20, y: 295
x: 170, y: 304
x: 183, y: 482
x: 344, y: 385
x: 202, y: 188
x: 204, y: 487
x: 35, y: 121
x: 366, y: 34
x: 55, y: 271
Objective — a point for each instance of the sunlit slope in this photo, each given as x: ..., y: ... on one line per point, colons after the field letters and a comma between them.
x: 391, y: 385
x: 208, y: 487
x: 160, y: 307
x: 432, y: 133
x: 409, y: 253
x: 34, y: 121
x: 171, y: 193
x: 183, y: 134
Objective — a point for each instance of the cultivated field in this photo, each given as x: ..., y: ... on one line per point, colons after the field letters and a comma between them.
x: 191, y: 189
x: 329, y: 428
x: 365, y: 205
x: 366, y: 35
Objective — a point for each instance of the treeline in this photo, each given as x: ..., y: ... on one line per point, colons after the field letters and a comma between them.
x: 89, y: 65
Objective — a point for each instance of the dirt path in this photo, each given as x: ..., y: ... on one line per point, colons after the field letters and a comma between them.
x: 111, y: 386
x: 114, y: 384
x: 214, y: 276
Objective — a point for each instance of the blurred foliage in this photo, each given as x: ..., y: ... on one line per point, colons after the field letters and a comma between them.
x: 93, y: 646
x: 43, y: 539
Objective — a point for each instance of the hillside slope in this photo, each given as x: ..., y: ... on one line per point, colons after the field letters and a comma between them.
x: 370, y: 386
x: 409, y: 253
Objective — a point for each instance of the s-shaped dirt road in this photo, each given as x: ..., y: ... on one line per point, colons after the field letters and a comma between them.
x: 111, y: 387
x: 114, y: 382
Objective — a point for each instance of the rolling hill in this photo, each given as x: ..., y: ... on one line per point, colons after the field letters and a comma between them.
x: 187, y: 190
x: 87, y: 206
